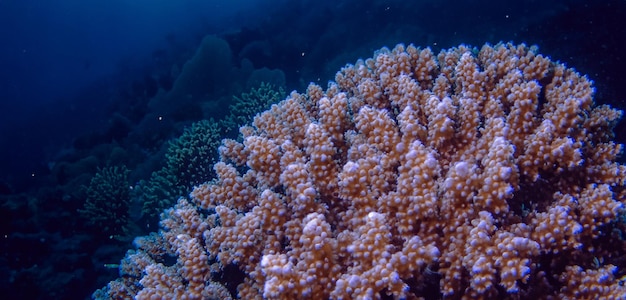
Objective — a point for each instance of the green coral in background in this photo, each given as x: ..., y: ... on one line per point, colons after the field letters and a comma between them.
x: 108, y: 200
x: 188, y: 162
x: 189, y: 158
x: 246, y: 106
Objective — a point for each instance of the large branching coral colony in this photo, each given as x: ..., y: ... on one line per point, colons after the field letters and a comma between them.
x: 470, y: 173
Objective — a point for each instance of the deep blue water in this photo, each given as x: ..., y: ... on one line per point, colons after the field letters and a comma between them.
x: 78, y: 79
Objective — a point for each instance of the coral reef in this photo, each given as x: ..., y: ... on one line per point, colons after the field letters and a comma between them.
x: 466, y: 174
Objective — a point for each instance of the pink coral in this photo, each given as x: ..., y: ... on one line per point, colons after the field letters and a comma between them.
x: 464, y: 174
